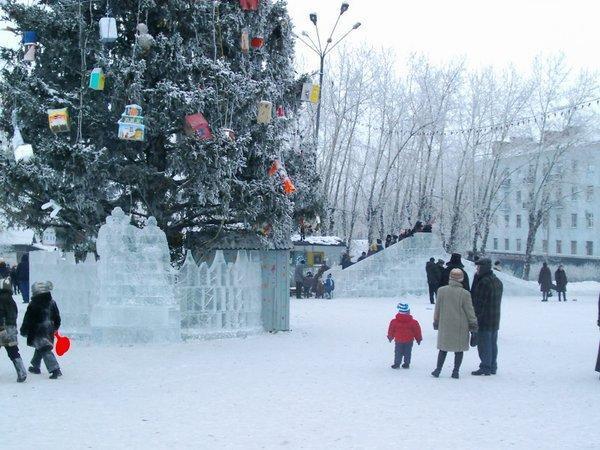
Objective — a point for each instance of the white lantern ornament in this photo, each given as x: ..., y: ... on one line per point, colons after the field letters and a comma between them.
x: 108, y: 30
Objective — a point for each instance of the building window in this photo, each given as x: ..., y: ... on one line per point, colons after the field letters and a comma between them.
x: 518, y: 220
x: 559, y: 247
x: 589, y: 248
x: 506, y: 220
x: 495, y: 243
x: 574, y: 166
x: 558, y: 221
x: 591, y: 169
x: 589, y: 193
x: 545, y: 220
x: 518, y: 197
x: 573, y: 247
x: 589, y: 219
x: 574, y: 192
x: 545, y: 246
x: 573, y: 220
x: 506, y: 245
x: 518, y: 245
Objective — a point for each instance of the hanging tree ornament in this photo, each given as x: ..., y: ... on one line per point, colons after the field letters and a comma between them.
x: 310, y: 92
x: 197, y: 125
x: 22, y: 151
x: 257, y: 42
x: 97, y: 79
x: 108, y: 29
x: 265, y: 112
x: 29, y: 41
x: 131, y: 124
x: 59, y: 120
x: 56, y: 208
x: 245, y: 41
x: 280, y: 111
x: 249, y: 5
x: 144, y: 39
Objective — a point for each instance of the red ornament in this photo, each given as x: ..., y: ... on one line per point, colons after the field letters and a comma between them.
x: 249, y: 5
x: 63, y: 344
x: 196, y: 124
x: 257, y: 42
x: 280, y: 111
x: 288, y: 186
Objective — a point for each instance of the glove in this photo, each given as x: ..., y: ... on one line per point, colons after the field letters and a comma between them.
x: 390, y: 339
x: 473, y: 341
x: 418, y: 342
x: 435, y: 325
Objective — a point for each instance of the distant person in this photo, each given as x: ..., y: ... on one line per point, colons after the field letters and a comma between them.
x: 8, y: 328
x: 41, y: 321
x: 418, y: 228
x: 394, y: 239
x: 545, y: 281
x: 560, y: 277
x: 308, y: 284
x: 434, y: 277
x: 379, y: 246
x: 453, y: 317
x: 4, y: 270
x: 388, y: 240
x: 428, y: 228
x: 329, y: 286
x: 498, y: 266
x: 441, y: 264
x: 318, y: 288
x: 455, y: 263
x: 299, y: 278
x: 23, y: 277
x: 598, y: 358
x: 346, y: 261
x: 14, y: 280
x: 487, y: 298
x: 403, y: 330
x: 372, y: 249
x: 362, y: 256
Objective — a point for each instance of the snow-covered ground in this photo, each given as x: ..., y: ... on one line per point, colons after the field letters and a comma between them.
x: 327, y: 384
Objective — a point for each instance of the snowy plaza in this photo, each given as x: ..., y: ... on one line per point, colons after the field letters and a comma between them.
x: 326, y: 384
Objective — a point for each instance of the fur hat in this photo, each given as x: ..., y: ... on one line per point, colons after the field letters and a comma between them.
x: 455, y: 259
x: 457, y: 275
x: 41, y: 287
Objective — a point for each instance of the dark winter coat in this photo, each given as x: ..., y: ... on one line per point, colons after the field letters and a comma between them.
x: 41, y: 320
x: 434, y: 273
x: 487, y: 297
x: 13, y: 276
x: 346, y: 261
x: 560, y: 276
x: 23, y: 270
x: 299, y: 273
x: 8, y: 309
x: 4, y: 270
x: 329, y: 285
x: 446, y: 275
x: 454, y: 317
x: 404, y: 329
x: 545, y: 279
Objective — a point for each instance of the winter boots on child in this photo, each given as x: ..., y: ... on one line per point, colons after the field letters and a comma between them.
x: 8, y: 328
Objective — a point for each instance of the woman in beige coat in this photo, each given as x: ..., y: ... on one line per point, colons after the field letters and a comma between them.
x: 454, y: 317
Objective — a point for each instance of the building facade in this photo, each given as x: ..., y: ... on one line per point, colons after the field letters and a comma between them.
x: 570, y: 231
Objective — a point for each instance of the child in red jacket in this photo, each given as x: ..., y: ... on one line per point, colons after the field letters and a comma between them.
x: 404, y: 330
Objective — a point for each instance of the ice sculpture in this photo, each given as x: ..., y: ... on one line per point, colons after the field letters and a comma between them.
x: 220, y: 299
x: 400, y: 270
x: 136, y: 300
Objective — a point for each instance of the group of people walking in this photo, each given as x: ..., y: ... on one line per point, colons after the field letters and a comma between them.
x: 41, y: 321
x: 307, y: 285
x: 18, y: 275
x: 464, y: 316
x: 546, y: 285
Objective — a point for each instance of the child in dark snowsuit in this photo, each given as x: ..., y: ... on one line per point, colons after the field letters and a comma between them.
x: 8, y: 328
x: 41, y: 321
x: 404, y: 330
x: 329, y: 286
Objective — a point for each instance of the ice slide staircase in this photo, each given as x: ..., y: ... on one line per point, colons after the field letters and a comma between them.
x: 400, y: 270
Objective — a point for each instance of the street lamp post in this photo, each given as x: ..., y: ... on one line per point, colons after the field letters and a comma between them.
x: 322, y: 52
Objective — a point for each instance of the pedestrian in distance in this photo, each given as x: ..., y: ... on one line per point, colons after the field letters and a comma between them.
x: 299, y: 278
x: 362, y: 256
x: 560, y: 277
x: 41, y: 321
x: 23, y: 277
x: 8, y: 328
x: 434, y: 278
x: 453, y: 318
x: 308, y: 284
x: 4, y: 270
x: 329, y: 286
x: 455, y: 263
x: 14, y: 280
x: 498, y: 266
x: 545, y: 281
x: 487, y: 299
x: 346, y: 261
x: 403, y: 330
x: 598, y: 358
x: 379, y: 246
x: 388, y: 240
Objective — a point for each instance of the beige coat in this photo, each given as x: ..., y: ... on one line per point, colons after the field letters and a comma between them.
x: 454, y: 316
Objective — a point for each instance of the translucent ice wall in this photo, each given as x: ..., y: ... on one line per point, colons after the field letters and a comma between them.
x: 221, y: 298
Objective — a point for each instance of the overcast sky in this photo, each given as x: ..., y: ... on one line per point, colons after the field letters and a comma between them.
x: 487, y: 32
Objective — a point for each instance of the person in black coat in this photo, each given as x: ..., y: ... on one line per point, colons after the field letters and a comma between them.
x: 23, y: 277
x: 8, y: 329
x: 598, y: 358
x: 346, y: 261
x: 14, y: 281
x: 560, y: 277
x: 545, y: 281
x: 41, y: 321
x: 455, y: 263
x: 434, y: 277
x: 4, y: 270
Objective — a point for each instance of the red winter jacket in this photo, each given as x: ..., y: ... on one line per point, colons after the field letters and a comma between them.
x: 404, y: 329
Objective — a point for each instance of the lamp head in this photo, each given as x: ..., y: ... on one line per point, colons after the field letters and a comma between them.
x: 356, y: 25
x: 344, y: 8
x: 313, y: 18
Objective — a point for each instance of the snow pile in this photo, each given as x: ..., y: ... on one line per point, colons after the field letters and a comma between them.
x: 318, y: 240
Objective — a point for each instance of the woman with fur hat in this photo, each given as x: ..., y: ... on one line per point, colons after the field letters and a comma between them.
x: 8, y: 328
x: 41, y: 321
x: 455, y: 263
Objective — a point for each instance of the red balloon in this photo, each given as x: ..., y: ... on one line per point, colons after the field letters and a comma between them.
x: 63, y: 344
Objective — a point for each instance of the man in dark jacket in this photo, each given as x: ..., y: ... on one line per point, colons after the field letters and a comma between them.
x: 23, y: 277
x: 455, y: 263
x: 299, y: 278
x: 41, y: 321
x: 487, y: 297
x: 14, y: 281
x: 8, y: 329
x: 434, y: 276
x: 545, y: 281
x: 560, y: 277
x: 4, y: 270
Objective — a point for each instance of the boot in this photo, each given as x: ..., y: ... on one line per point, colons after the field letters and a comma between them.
x: 395, y: 366
x: 21, y: 373
x: 455, y: 374
x: 436, y: 373
x: 405, y: 366
x: 55, y: 374
x: 35, y: 370
x: 480, y: 372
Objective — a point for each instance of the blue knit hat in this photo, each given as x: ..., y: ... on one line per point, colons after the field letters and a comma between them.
x: 403, y: 308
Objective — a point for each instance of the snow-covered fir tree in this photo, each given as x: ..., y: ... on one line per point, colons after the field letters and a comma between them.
x: 173, y: 58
